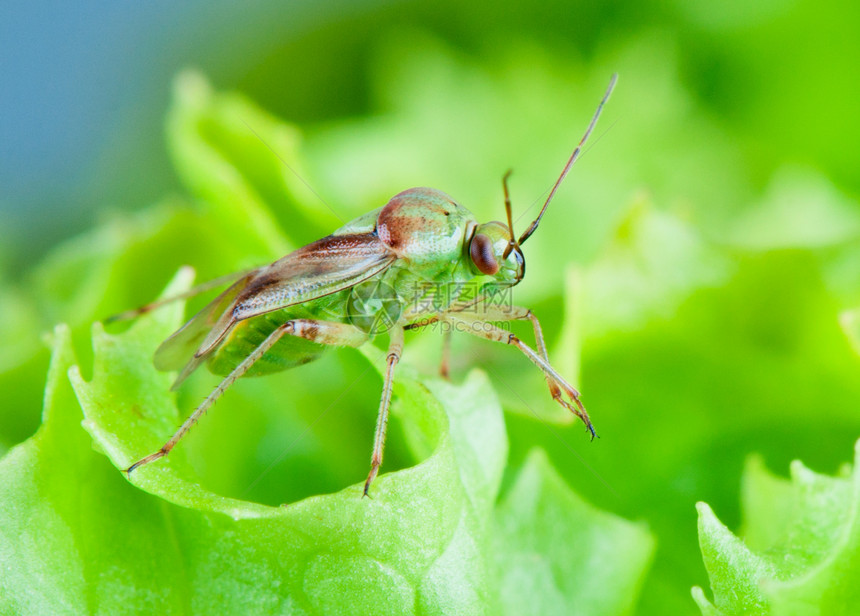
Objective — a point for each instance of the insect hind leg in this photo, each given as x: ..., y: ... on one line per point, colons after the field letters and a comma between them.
x: 322, y: 332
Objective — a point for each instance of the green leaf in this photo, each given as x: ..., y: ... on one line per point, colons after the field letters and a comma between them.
x: 244, y: 164
x: 423, y: 544
x: 557, y: 554
x: 801, y: 553
x: 850, y: 322
x: 415, y: 517
x: 684, y: 372
x: 795, y: 197
x: 123, y: 263
x: 23, y: 362
x: 702, y: 338
x: 74, y: 538
x: 525, y: 106
x: 653, y: 263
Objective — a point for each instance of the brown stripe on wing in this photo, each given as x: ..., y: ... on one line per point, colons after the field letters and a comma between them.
x: 323, y: 267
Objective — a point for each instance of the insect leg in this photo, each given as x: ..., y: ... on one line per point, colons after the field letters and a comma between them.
x: 195, y: 290
x: 238, y: 371
x: 323, y: 332
x: 554, y: 387
x: 395, y: 349
x: 328, y: 332
x: 444, y: 365
x: 494, y: 312
x: 484, y: 329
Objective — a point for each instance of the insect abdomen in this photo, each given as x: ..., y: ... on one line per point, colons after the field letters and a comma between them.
x: 247, y: 335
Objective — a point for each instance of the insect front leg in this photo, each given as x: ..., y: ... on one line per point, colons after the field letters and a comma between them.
x: 322, y: 332
x: 493, y: 312
x: 395, y: 350
x: 557, y: 385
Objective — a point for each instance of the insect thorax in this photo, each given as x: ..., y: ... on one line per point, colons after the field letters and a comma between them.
x: 425, y: 227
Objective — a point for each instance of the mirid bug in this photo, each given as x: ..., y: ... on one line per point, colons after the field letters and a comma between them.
x: 376, y: 273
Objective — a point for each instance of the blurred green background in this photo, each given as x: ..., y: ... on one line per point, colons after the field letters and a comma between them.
x: 701, y: 253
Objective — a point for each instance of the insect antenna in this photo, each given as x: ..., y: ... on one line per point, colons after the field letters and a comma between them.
x: 513, y: 243
x: 571, y: 160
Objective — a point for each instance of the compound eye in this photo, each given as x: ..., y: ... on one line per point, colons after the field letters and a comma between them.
x: 481, y: 250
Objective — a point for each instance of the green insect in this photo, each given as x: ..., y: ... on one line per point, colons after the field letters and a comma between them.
x: 384, y: 271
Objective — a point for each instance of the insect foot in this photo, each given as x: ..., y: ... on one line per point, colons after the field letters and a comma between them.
x: 150, y: 458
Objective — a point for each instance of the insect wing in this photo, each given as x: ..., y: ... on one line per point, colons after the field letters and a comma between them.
x: 324, y: 267
x: 174, y: 353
